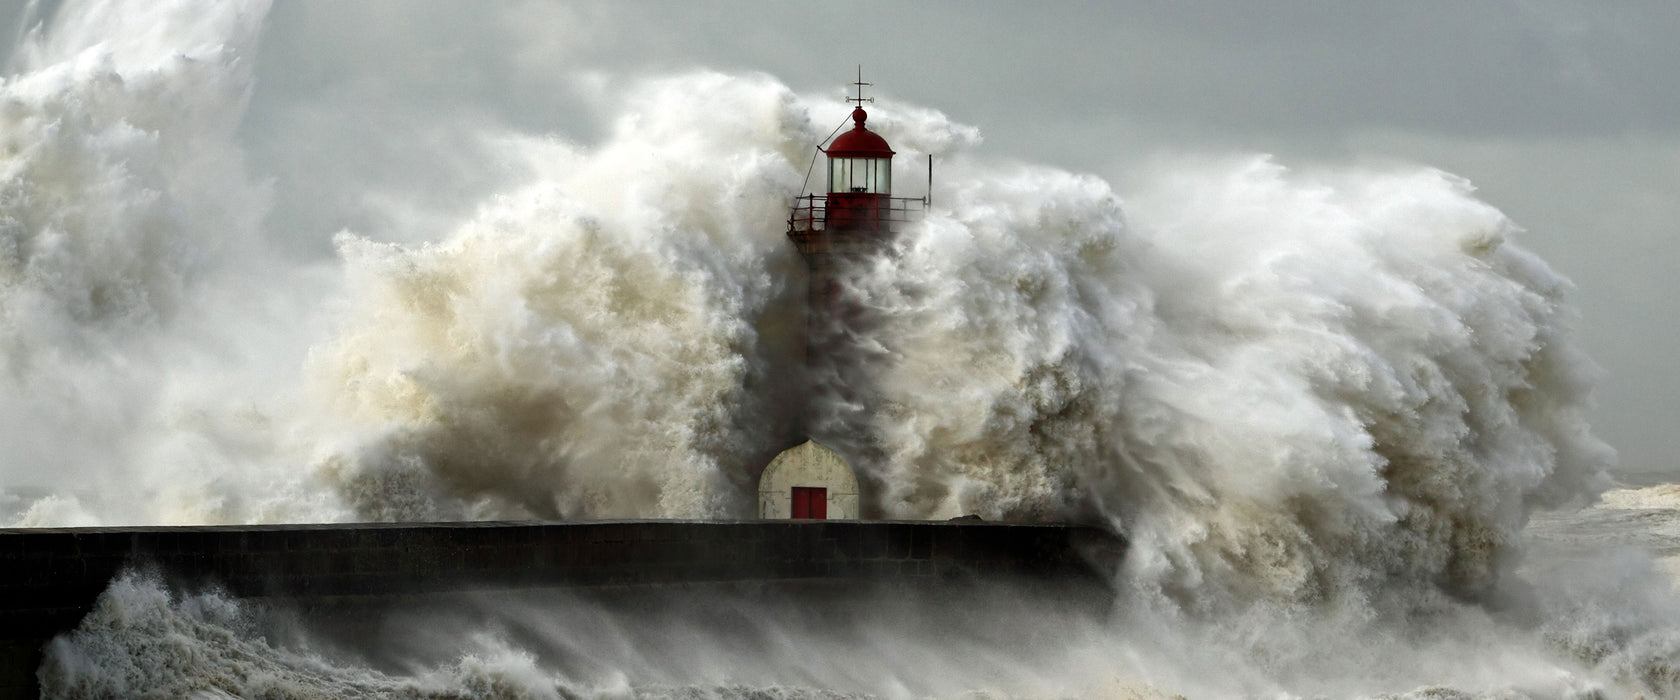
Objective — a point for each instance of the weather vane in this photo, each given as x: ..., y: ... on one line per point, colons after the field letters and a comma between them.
x: 860, y: 99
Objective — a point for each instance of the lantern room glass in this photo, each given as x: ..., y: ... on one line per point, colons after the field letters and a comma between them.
x: 866, y: 175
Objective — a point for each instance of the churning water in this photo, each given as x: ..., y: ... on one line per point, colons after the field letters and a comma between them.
x: 1324, y: 407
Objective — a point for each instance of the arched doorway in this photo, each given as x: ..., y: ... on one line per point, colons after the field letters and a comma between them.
x: 809, y: 481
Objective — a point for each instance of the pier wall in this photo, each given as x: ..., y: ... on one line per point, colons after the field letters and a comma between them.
x: 51, y: 577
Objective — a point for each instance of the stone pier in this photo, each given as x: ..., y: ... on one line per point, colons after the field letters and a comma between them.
x: 51, y: 577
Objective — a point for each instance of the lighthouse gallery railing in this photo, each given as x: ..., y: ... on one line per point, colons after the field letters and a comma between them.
x: 810, y: 212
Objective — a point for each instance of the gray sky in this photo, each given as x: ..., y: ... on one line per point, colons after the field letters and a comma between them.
x: 1566, y: 115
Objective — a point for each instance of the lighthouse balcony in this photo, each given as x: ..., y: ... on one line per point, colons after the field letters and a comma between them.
x: 865, y: 215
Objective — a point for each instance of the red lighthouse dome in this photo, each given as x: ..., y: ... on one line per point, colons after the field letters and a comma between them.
x: 860, y: 142
x: 859, y: 161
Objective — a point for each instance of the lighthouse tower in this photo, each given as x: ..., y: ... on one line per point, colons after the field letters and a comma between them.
x: 857, y: 218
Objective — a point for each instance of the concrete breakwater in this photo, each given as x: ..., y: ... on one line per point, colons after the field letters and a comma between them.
x: 51, y: 578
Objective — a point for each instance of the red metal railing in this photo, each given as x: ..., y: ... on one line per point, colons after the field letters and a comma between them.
x: 810, y: 212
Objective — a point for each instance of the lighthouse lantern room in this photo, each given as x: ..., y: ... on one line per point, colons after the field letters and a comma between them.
x: 860, y: 160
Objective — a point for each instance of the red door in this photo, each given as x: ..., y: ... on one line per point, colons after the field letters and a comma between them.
x: 810, y: 503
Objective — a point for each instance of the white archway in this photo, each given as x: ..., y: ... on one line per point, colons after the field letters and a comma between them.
x: 808, y: 481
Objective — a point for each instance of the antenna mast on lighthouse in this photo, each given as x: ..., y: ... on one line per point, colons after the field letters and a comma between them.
x: 859, y: 100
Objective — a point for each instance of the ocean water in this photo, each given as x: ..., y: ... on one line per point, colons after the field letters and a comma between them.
x: 1339, y: 413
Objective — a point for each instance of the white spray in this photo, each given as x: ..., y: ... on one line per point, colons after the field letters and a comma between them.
x: 133, y: 287
x: 608, y: 341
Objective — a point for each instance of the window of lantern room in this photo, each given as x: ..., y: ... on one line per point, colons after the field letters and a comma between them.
x: 866, y: 175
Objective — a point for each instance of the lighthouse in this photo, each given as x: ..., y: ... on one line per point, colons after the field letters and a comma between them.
x: 855, y: 219
x: 858, y: 217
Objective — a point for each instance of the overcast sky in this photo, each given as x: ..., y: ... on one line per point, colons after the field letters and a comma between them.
x: 1566, y: 115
